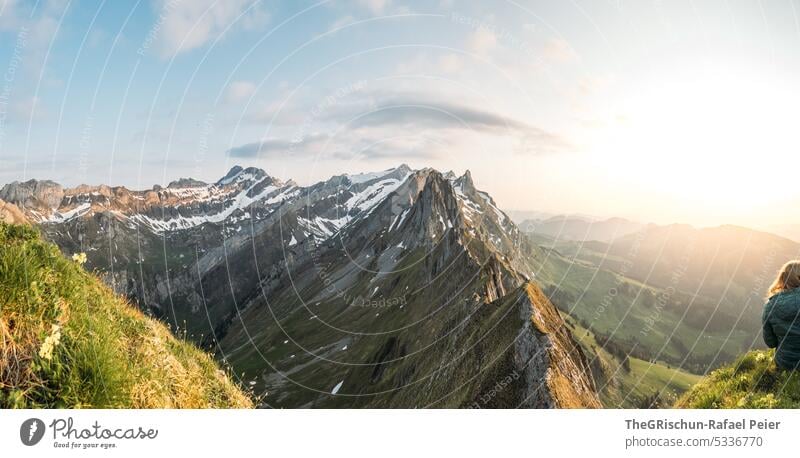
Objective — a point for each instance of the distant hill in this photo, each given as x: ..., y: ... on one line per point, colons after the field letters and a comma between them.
x: 790, y: 231
x: 729, y: 266
x: 580, y: 228
x: 519, y: 216
x: 68, y: 341
x: 685, y: 295
x: 752, y: 382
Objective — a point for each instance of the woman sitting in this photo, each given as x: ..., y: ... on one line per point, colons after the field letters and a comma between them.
x: 780, y: 319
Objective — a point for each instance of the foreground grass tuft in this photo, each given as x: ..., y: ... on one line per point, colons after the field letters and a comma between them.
x: 752, y: 382
x: 68, y: 341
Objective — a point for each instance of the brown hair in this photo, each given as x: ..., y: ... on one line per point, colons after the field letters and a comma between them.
x: 788, y: 278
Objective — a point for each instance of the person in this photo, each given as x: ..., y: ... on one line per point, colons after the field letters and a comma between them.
x: 781, y: 318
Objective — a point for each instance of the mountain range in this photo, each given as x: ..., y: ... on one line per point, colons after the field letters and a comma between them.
x: 400, y: 288
x: 411, y: 288
x: 580, y: 228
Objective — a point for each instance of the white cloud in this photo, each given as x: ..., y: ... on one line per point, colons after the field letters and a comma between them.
x: 375, y: 6
x: 183, y: 25
x: 381, y: 124
x: 559, y: 50
x: 22, y: 111
x: 9, y: 14
x: 530, y: 27
x: 422, y: 63
x: 239, y: 91
x: 26, y: 109
x: 419, y: 63
x: 275, y: 113
x: 29, y: 29
x: 482, y: 41
x: 36, y: 22
x: 451, y: 63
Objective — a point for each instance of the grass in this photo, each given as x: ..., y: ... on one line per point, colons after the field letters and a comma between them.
x: 646, y: 378
x: 752, y: 382
x: 66, y: 341
x: 639, y: 384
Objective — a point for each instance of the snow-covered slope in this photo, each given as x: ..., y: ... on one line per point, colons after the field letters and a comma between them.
x: 239, y: 197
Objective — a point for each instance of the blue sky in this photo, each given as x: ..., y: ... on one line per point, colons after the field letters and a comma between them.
x: 660, y: 111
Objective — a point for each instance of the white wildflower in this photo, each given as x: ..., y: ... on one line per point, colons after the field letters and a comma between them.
x: 49, y: 344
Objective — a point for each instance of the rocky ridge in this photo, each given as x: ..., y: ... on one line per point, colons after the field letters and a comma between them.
x: 399, y: 288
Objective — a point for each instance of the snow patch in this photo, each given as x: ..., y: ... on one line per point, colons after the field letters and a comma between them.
x: 375, y: 193
x: 359, y: 178
x: 76, y: 212
x: 239, y: 202
x: 401, y: 217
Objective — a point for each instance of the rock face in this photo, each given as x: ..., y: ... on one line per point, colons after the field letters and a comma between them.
x: 33, y: 194
x: 567, y: 377
x: 399, y: 288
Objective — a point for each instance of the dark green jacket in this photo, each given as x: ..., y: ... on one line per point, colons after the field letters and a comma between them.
x: 781, y: 321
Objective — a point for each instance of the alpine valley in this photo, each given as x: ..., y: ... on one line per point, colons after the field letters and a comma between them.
x: 411, y: 288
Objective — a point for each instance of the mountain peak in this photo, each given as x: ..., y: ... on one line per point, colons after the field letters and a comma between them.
x: 186, y: 183
x: 33, y: 193
x: 237, y: 173
x: 465, y: 182
x: 235, y: 170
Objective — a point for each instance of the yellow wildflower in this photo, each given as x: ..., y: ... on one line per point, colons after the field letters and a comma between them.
x: 80, y: 258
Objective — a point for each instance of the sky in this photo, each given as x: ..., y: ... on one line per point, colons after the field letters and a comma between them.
x: 658, y: 111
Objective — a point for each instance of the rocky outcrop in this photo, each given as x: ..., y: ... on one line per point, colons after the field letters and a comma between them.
x: 33, y: 193
x: 187, y: 183
x: 560, y: 364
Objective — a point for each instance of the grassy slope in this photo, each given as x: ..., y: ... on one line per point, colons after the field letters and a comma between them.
x: 67, y: 341
x: 626, y: 312
x: 635, y: 386
x: 752, y: 382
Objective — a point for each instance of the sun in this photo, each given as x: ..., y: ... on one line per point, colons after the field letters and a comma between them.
x: 722, y: 138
